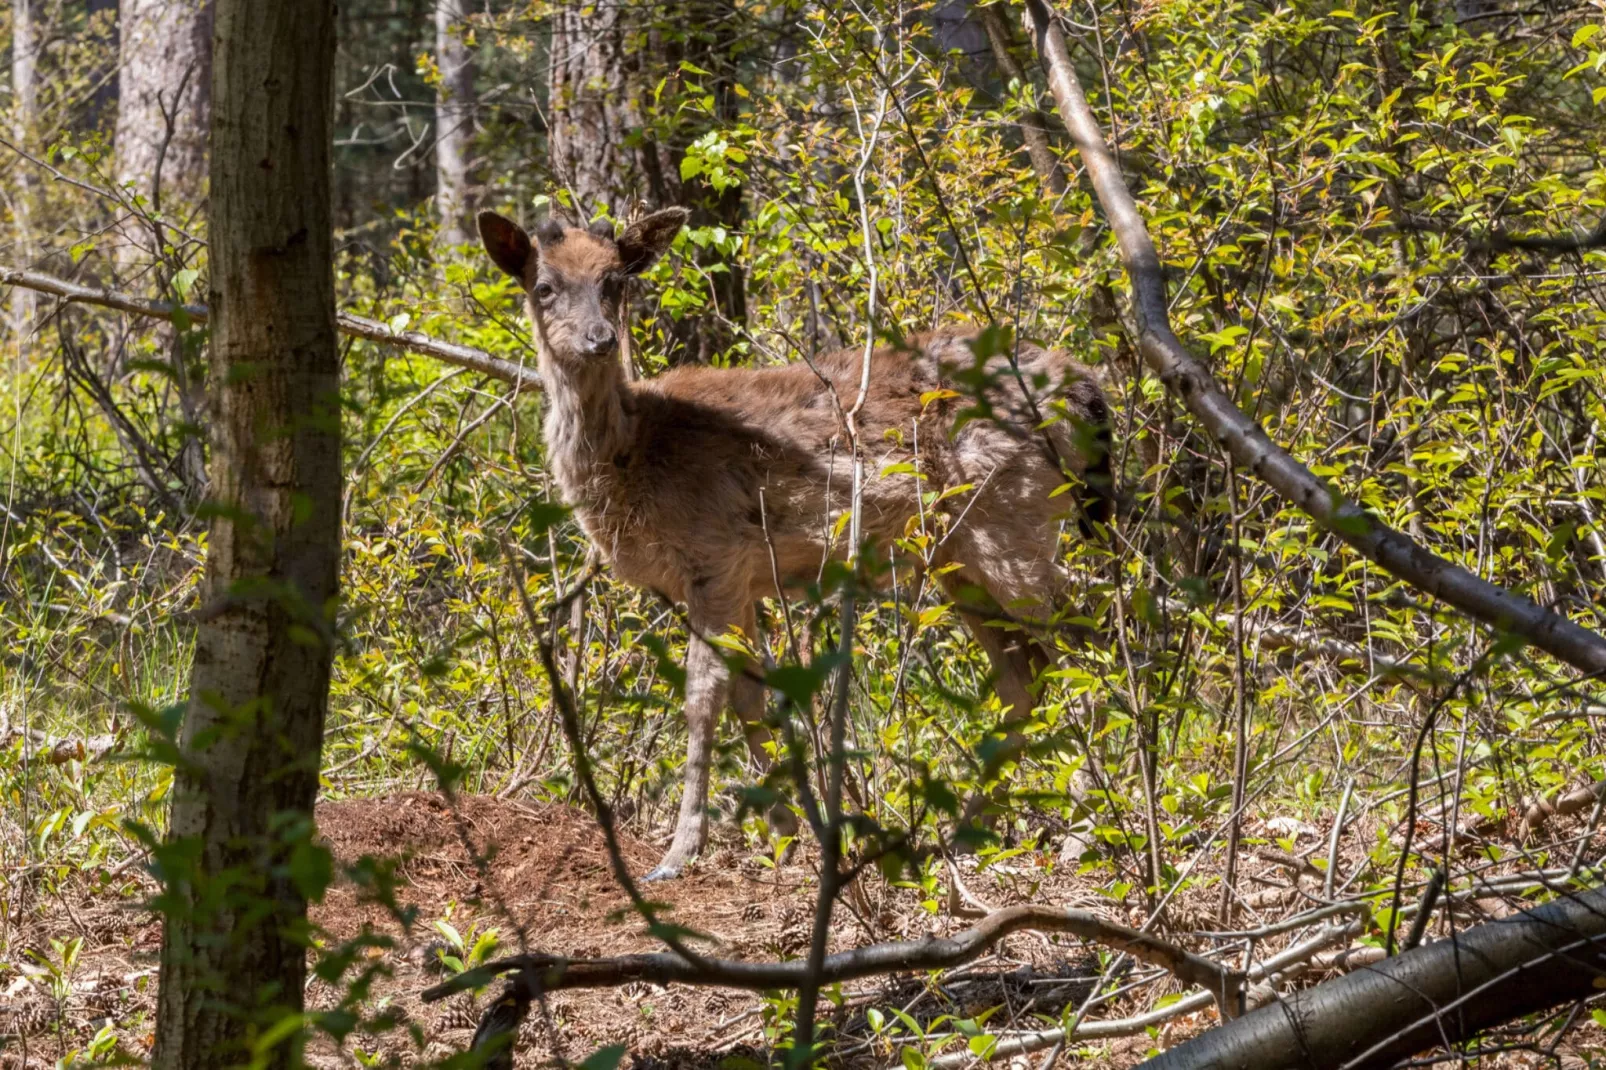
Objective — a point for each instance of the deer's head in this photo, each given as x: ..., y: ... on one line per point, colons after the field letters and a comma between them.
x: 573, y: 277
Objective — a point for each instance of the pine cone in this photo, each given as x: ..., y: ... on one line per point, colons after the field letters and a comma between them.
x: 463, y: 1012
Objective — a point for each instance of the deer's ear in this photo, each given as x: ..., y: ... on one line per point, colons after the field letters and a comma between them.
x: 645, y: 240
x: 507, y: 243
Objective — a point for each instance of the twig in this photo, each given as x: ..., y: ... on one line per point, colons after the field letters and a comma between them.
x: 1424, y: 910
x: 1332, y: 843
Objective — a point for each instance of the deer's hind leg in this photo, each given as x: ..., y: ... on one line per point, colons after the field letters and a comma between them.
x: 747, y: 703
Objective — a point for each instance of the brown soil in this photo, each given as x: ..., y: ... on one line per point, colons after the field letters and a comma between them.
x: 540, y: 876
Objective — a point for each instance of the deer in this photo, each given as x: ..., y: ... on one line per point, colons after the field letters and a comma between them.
x: 713, y: 486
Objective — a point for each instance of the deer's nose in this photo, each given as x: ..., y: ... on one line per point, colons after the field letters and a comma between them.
x: 600, y: 340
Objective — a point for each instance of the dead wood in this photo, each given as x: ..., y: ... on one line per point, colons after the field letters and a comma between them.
x: 348, y: 324
x: 553, y: 972
x: 1443, y: 993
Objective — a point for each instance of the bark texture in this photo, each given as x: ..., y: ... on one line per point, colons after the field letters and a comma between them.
x: 1443, y: 993
x: 164, y: 98
x: 606, y: 58
x: 454, y: 123
x: 1244, y: 439
x: 239, y: 862
x: 594, y: 93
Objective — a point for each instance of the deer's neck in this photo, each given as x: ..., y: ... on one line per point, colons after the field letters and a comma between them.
x: 589, y: 425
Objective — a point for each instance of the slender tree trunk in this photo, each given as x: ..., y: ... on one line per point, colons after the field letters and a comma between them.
x: 240, y: 863
x: 1033, y: 125
x: 163, y: 101
x: 454, y: 122
x: 25, y: 96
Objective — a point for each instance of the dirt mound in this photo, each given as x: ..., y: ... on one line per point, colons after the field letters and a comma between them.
x: 540, y: 874
x: 541, y: 877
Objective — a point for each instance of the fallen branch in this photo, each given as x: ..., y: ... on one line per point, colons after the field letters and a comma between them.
x: 1243, y: 437
x: 1542, y: 810
x: 553, y: 972
x: 1443, y: 993
x: 1283, y: 636
x: 1109, y: 1029
x: 355, y: 326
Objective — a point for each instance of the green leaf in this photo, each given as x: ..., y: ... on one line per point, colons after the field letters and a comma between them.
x: 312, y: 868
x: 183, y: 281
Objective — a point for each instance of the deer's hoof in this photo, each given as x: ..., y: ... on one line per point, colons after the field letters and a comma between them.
x: 664, y: 871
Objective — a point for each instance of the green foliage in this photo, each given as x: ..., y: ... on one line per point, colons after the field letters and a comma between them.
x: 1321, y: 184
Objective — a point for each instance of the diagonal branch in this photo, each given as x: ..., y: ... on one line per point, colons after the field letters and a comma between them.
x: 357, y: 326
x: 1243, y: 437
x: 931, y: 953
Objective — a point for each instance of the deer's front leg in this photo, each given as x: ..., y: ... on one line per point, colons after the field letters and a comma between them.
x: 707, y: 685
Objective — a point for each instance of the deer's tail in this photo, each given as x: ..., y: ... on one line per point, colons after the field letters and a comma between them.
x: 1098, y: 476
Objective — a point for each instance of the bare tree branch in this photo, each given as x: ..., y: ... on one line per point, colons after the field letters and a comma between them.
x: 1243, y: 437
x: 357, y: 326
x: 931, y: 953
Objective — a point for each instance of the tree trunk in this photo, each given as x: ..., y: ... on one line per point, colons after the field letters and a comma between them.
x: 239, y: 863
x: 605, y: 59
x: 454, y: 123
x: 592, y: 107
x: 163, y: 101
x: 24, y: 97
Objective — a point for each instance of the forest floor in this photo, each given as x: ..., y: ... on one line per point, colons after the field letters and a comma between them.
x: 540, y: 876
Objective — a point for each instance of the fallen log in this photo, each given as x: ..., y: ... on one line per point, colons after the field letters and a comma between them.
x: 1444, y: 993
x: 554, y: 972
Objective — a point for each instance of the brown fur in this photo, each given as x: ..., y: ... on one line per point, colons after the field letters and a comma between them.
x: 688, y: 483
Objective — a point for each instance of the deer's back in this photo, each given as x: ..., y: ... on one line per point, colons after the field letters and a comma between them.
x: 730, y: 464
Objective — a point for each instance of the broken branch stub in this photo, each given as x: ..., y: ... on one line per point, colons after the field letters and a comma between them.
x: 1250, y: 447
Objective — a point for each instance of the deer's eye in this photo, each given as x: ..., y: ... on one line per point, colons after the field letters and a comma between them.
x: 543, y: 291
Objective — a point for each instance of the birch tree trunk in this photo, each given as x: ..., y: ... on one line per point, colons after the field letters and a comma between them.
x: 454, y: 123
x: 163, y: 103
x: 240, y: 861
x: 25, y: 95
